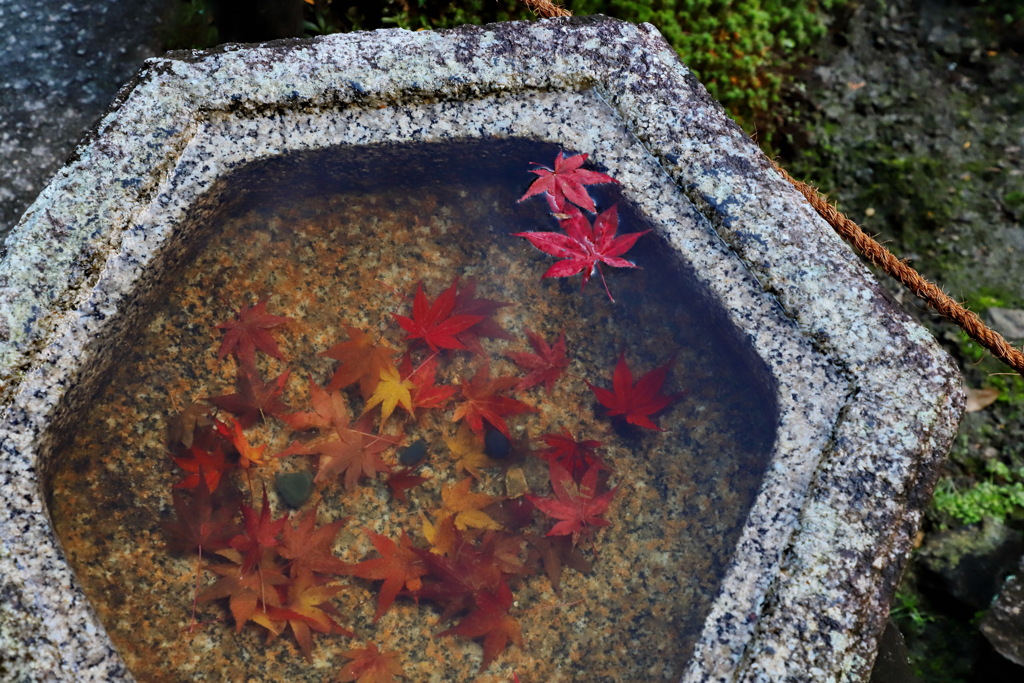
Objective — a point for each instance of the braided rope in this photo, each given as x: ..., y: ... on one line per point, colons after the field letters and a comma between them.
x: 546, y: 9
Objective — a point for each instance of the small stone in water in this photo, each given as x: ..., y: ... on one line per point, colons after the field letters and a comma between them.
x: 414, y: 454
x: 295, y: 488
x: 496, y: 444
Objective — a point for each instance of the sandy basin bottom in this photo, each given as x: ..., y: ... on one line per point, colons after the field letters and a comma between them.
x: 348, y: 258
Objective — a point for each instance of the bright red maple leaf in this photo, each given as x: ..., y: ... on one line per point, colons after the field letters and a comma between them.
x: 436, y: 324
x: 577, y: 507
x: 261, y: 533
x: 255, y: 399
x: 566, y: 181
x: 251, y: 332
x: 398, y: 566
x: 575, y: 456
x: 584, y: 247
x: 636, y: 402
x: 482, y: 403
x: 545, y: 365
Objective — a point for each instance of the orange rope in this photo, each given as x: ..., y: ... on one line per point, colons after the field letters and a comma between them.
x: 546, y: 9
x: 883, y: 258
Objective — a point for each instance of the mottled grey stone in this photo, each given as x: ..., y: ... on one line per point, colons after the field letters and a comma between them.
x: 60, y: 65
x: 868, y: 403
x: 1003, y: 624
x: 1008, y: 322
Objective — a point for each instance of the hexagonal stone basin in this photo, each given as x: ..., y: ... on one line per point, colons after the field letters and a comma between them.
x: 334, y: 239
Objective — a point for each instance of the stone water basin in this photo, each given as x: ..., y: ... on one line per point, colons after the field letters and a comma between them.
x: 764, y: 529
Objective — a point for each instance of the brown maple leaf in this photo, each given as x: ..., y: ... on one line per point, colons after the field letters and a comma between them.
x: 303, y: 605
x: 246, y: 590
x: 544, y: 366
x: 310, y: 548
x: 360, y: 360
x: 355, y: 454
x: 490, y: 620
x: 481, y: 402
x: 370, y: 665
x: 401, y: 481
x: 251, y: 332
x: 201, y: 523
x: 398, y: 566
x: 255, y: 399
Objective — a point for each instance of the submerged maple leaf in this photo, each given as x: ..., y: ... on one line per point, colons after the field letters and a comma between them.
x: 200, y: 525
x: 261, y: 533
x: 584, y: 247
x: 392, y: 391
x: 577, y: 507
x: 303, y: 606
x: 466, y: 303
x: 468, y: 450
x: 310, y: 547
x: 370, y: 665
x: 356, y: 454
x: 398, y: 566
x: 425, y: 393
x: 636, y: 403
x: 249, y: 333
x: 361, y: 360
x: 566, y: 181
x: 491, y: 621
x: 575, y: 456
x: 481, y: 402
x: 436, y: 324
x: 204, y: 466
x: 248, y: 455
x: 545, y: 365
x: 255, y: 399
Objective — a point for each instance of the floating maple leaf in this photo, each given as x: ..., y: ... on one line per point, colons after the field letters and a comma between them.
x: 370, y: 665
x: 636, y: 403
x: 482, y: 402
x: 566, y: 181
x: 361, y: 360
x: 251, y: 332
x: 584, y: 247
x: 436, y: 324
x: 398, y: 567
x: 577, y: 507
x: 545, y: 365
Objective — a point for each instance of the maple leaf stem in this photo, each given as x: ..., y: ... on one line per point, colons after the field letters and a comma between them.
x: 601, y: 273
x: 419, y: 367
x: 195, y: 591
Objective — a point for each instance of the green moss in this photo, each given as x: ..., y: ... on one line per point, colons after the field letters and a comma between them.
x: 1000, y: 496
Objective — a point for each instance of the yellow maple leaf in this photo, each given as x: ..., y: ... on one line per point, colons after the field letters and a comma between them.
x: 466, y: 507
x: 391, y: 391
x: 468, y: 451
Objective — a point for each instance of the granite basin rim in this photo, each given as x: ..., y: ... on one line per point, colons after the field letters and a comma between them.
x: 869, y: 403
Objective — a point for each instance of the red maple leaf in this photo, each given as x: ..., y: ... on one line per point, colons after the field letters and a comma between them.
x: 398, y: 566
x: 577, y: 507
x: 575, y: 456
x: 310, y: 547
x: 466, y: 303
x: 255, y: 399
x: 204, y: 466
x: 251, y: 332
x: 200, y: 525
x: 544, y: 366
x: 566, y: 181
x: 436, y: 323
x: 491, y: 621
x: 261, y: 533
x: 584, y: 247
x: 426, y: 394
x: 401, y: 481
x: 482, y: 402
x: 636, y: 402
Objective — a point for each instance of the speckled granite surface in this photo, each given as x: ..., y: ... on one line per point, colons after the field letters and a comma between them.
x: 867, y: 403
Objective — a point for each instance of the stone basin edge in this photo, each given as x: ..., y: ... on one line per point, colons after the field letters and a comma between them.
x: 903, y: 396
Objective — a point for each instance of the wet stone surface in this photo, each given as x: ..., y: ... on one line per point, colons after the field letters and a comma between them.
x: 341, y: 251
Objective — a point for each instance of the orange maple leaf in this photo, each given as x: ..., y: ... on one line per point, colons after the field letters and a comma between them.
x: 370, y: 665
x: 482, y: 403
x: 361, y: 360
